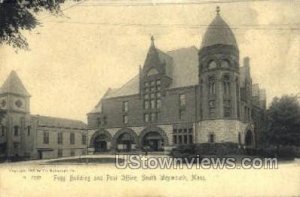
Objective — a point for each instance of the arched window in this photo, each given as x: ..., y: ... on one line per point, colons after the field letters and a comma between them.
x: 211, y: 138
x: 225, y: 64
x: 211, y: 86
x: 212, y: 64
x: 226, y: 85
x: 152, y: 71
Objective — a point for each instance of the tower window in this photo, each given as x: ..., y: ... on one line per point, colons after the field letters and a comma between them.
x: 211, y: 86
x: 211, y: 105
x: 227, y: 108
x: 46, y: 137
x: 212, y: 65
x: 16, y: 130
x: 225, y: 64
x: 226, y: 85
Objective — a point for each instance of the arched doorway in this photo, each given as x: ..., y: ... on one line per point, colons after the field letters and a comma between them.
x: 249, y: 139
x: 153, y: 141
x: 125, y: 140
x: 100, y: 141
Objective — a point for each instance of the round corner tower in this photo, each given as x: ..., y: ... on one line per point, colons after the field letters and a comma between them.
x: 219, y: 83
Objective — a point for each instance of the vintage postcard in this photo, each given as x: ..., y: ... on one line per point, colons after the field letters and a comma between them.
x: 149, y: 98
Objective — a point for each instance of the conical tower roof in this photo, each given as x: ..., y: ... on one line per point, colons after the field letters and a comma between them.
x: 14, y: 85
x: 218, y: 32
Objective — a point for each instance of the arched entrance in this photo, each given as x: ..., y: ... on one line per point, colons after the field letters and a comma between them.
x: 249, y: 139
x: 125, y: 140
x: 153, y: 139
x: 100, y: 141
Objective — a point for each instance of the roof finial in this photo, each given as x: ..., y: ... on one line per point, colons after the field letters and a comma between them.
x: 218, y: 10
x: 152, y: 40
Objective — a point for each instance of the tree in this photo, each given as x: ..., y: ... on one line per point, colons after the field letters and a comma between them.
x: 17, y: 15
x: 284, y: 122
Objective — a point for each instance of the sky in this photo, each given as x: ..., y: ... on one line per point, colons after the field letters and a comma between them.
x: 74, y: 58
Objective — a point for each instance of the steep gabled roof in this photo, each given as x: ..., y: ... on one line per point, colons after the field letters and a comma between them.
x: 14, y: 85
x: 181, y: 66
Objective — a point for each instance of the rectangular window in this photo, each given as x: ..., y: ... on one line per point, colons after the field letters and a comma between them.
x: 152, y: 104
x: 180, y: 139
x: 153, y: 117
x: 16, y: 130
x: 59, y: 138
x: 59, y: 153
x: 181, y: 114
x: 152, y: 83
x: 175, y: 139
x: 46, y: 137
x: 146, y: 96
x: 191, y: 139
x: 125, y: 106
x: 146, y: 84
x: 157, y: 115
x: 158, y: 95
x: 72, y: 152
x: 146, y: 117
x: 158, y: 103
x: 158, y: 82
x: 83, y: 139
x: 72, y: 138
x: 185, y: 139
x: 125, y: 119
x: 146, y: 104
x: 182, y: 100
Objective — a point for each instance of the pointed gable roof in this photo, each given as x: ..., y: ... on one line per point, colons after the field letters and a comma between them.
x: 13, y: 85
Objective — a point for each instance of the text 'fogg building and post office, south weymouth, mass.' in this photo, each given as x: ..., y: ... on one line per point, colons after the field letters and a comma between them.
x: 184, y: 96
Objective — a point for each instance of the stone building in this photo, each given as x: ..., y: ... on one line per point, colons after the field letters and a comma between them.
x: 183, y: 96
x: 33, y: 136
